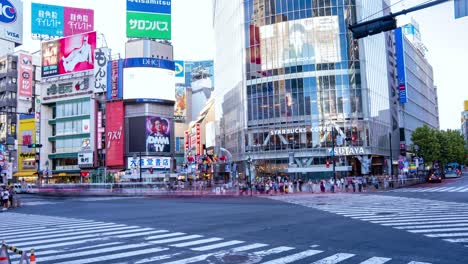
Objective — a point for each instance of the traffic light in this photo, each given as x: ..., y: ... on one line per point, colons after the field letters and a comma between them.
x: 327, y: 164
x: 35, y: 146
x: 372, y: 27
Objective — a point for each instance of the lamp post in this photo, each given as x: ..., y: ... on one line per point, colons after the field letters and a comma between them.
x: 249, y: 161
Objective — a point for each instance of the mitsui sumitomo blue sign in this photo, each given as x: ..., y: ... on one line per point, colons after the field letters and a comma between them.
x: 401, y: 69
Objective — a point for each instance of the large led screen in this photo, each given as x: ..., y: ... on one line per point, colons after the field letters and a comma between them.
x: 148, y: 83
x: 158, y: 134
x: 300, y: 42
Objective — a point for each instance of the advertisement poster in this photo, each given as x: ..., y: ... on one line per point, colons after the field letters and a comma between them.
x: 115, y: 141
x: 68, y: 55
x: 26, y: 136
x: 180, y: 110
x: 25, y: 75
x: 60, y: 21
x: 100, y: 70
x: 158, y: 134
x: 11, y: 21
x: 77, y: 53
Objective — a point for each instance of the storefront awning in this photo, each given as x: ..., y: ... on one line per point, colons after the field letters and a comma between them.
x: 25, y: 174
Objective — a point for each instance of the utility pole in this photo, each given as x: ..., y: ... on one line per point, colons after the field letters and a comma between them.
x: 333, y: 154
x: 391, y: 153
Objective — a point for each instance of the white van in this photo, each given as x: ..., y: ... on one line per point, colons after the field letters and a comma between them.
x: 23, y: 188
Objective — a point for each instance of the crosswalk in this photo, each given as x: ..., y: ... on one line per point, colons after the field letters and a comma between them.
x: 80, y: 241
x: 456, y: 189
x: 436, y: 219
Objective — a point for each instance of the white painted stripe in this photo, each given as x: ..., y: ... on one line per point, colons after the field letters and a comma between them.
x: 46, y: 241
x: 419, y: 219
x: 176, y: 239
x: 37, y: 219
x: 417, y: 262
x: 430, y: 226
x: 24, y: 231
x: 438, y: 230
x: 92, y: 252
x: 457, y: 189
x: 376, y: 260
x: 276, y: 250
x: 422, y: 216
x: 334, y: 258
x: 418, y: 213
x: 443, y: 189
x: 448, y: 235
x: 294, y: 257
x: 49, y: 233
x: 249, y: 247
x: 165, y: 235
x: 192, y: 259
x: 425, y: 222
x: 97, y: 246
x: 13, y: 226
x: 115, y: 256
x: 68, y: 234
x: 84, y: 241
x: 143, y: 234
x: 457, y: 240
x: 197, y: 242
x: 156, y: 258
x: 218, y: 245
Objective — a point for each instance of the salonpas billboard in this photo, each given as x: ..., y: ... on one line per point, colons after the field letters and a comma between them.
x: 149, y: 19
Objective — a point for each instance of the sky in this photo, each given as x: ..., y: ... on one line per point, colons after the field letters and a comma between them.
x: 192, y: 36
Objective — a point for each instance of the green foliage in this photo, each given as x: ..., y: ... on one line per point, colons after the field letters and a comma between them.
x: 444, y: 146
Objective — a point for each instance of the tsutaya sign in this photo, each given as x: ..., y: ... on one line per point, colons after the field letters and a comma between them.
x: 300, y: 130
x: 348, y: 151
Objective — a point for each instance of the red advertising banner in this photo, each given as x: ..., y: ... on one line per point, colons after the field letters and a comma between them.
x: 199, y: 146
x: 77, y: 20
x: 25, y: 75
x: 115, y: 140
x: 187, y: 144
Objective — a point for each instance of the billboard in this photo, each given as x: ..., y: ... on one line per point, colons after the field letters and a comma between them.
x: 180, y: 107
x: 114, y: 80
x: 68, y: 55
x: 401, y: 68
x: 158, y: 134
x: 115, y: 141
x: 11, y: 21
x: 60, y: 21
x: 149, y: 79
x: 299, y: 42
x: 26, y: 136
x: 179, y: 69
x: 149, y: 162
x: 25, y: 75
x: 149, y: 19
x: 135, y: 129
x: 100, y: 69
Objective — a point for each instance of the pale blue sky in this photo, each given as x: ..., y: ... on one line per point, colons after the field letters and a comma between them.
x: 445, y: 38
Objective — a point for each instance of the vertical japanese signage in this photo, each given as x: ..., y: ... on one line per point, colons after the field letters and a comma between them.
x: 26, y: 136
x: 199, y: 145
x: 99, y: 130
x: 115, y: 140
x: 68, y: 55
x: 11, y: 21
x: 59, y: 21
x: 114, y: 80
x: 25, y: 75
x: 100, y: 70
x: 187, y: 144
x: 149, y: 19
x: 401, y: 67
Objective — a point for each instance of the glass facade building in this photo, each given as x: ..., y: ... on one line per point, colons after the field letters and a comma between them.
x: 296, y: 84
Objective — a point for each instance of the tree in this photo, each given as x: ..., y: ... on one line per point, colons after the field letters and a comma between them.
x: 428, y: 143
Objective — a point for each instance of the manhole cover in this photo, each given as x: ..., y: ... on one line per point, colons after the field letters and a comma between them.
x: 234, y: 258
x: 384, y: 213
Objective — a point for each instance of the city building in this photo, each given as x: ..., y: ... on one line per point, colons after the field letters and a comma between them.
x: 296, y: 90
x: 417, y: 92
x: 464, y: 123
x: 18, y: 94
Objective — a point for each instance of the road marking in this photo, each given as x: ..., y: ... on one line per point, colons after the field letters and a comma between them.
x: 218, y: 245
x: 276, y: 250
x: 447, y: 235
x: 165, y: 235
x: 457, y: 240
x: 430, y: 226
x: 417, y: 262
x: 249, y: 247
x: 143, y: 233
x: 197, y: 242
x: 334, y: 258
x: 376, y: 260
x: 426, y: 222
x: 156, y: 258
x: 115, y: 256
x: 170, y: 240
x: 295, y: 257
x: 438, y: 230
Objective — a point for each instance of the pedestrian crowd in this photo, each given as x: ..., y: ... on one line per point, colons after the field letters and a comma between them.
x: 8, y: 198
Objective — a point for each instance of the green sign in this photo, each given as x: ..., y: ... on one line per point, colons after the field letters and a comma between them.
x: 148, y: 25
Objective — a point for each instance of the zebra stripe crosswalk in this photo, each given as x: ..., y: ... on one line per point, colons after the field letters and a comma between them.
x: 455, y: 189
x: 436, y: 219
x: 78, y: 241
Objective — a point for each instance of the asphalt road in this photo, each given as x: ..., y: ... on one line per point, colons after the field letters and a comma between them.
x: 402, y: 226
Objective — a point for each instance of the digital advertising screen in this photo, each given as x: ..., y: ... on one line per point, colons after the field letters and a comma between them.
x: 158, y: 134
x: 148, y: 83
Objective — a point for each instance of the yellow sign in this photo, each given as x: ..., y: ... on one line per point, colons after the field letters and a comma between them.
x: 466, y: 105
x: 26, y: 136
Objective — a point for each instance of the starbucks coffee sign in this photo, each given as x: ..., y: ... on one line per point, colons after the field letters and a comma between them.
x: 299, y: 130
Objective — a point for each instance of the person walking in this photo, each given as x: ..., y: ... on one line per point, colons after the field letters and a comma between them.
x: 322, y: 186
x: 332, y: 185
x: 5, y: 195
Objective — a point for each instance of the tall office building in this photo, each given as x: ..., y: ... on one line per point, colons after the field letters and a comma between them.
x: 293, y: 84
x: 417, y: 92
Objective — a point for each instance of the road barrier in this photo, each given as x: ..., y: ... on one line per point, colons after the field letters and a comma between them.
x: 5, y: 258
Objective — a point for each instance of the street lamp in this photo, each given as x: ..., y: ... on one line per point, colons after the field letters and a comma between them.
x: 249, y: 161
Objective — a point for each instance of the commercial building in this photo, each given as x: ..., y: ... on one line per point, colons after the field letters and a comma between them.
x: 464, y: 123
x: 417, y: 92
x: 296, y: 85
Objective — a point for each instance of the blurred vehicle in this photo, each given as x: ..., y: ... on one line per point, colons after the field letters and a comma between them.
x: 452, y: 174
x: 23, y: 187
x: 435, y: 177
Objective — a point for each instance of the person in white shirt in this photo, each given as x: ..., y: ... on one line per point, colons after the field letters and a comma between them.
x: 5, y: 195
